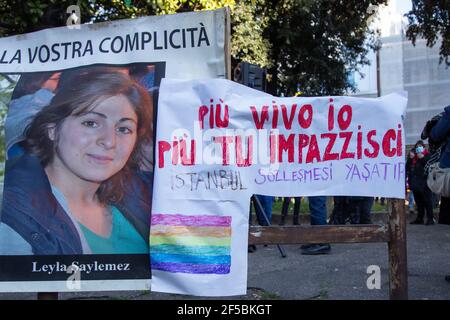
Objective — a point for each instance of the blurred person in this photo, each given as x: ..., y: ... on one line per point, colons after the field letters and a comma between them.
x: 353, y: 209
x: 285, y: 209
x: 418, y: 184
x: 264, y: 217
x: 33, y: 92
x: 263, y: 212
x: 408, y: 167
x: 318, y: 217
x: 440, y: 133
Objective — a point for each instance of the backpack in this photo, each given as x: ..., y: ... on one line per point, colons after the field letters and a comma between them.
x: 439, y: 180
x: 435, y: 157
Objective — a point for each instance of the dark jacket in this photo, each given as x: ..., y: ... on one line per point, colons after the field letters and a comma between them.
x: 441, y: 132
x: 30, y: 208
x: 417, y: 176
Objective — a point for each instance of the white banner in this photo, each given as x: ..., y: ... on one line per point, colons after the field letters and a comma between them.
x: 222, y: 142
x: 193, y: 42
x: 82, y: 82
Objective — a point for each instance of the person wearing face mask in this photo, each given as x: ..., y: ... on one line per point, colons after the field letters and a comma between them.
x: 418, y: 184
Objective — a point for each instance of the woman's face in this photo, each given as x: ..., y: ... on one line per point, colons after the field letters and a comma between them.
x: 96, y: 145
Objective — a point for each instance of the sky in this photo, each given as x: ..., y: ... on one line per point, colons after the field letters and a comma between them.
x: 393, y: 14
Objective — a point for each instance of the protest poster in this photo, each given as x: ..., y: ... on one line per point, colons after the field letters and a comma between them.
x: 79, y: 146
x: 217, y: 144
x: 226, y: 142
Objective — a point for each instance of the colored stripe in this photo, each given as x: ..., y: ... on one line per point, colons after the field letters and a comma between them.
x: 190, y: 241
x: 205, y: 250
x: 192, y: 268
x: 183, y: 220
x: 190, y: 259
x: 170, y: 231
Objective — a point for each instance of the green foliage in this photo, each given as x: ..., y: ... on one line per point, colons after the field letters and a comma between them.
x: 430, y: 19
x: 7, y: 84
x: 174, y: 6
x: 247, y: 37
x: 317, y: 43
x: 20, y: 16
x: 308, y: 45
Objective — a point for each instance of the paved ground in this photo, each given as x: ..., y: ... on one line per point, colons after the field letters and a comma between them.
x: 342, y: 274
x: 339, y: 275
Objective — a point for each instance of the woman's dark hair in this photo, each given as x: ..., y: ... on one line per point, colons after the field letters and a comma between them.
x: 82, y: 94
x: 419, y: 143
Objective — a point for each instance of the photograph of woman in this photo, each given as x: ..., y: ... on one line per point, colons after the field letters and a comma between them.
x: 78, y: 186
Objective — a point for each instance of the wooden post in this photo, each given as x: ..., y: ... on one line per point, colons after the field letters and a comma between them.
x: 398, y: 270
x: 318, y: 234
x: 47, y: 296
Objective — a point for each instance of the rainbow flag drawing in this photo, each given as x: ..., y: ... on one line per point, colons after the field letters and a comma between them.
x: 191, y: 244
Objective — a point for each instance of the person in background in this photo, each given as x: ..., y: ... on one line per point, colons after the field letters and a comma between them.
x: 285, y: 209
x: 418, y: 184
x: 441, y: 133
x: 263, y: 209
x: 341, y: 210
x: 318, y: 217
x: 264, y: 218
x: 411, y: 156
x: 353, y: 209
x: 33, y: 92
x: 360, y: 208
x: 410, y: 201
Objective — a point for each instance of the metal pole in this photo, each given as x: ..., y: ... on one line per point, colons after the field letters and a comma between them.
x: 377, y: 54
x: 258, y: 203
